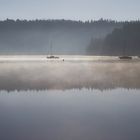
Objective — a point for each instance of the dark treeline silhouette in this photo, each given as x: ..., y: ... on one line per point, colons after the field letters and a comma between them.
x: 67, y: 36
x: 122, y: 41
x: 45, y: 24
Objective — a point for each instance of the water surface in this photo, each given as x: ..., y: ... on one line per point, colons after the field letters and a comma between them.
x: 70, y: 115
x: 57, y: 100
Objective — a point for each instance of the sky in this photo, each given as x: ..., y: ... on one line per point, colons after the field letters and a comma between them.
x: 70, y: 9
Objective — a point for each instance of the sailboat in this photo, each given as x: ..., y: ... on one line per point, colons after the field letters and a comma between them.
x: 51, y: 56
x: 125, y: 57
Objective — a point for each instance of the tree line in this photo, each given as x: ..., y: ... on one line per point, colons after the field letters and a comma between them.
x: 68, y: 36
x: 125, y: 38
x: 30, y: 24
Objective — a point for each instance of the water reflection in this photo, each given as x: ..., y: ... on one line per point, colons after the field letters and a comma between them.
x: 71, y: 114
x: 69, y: 75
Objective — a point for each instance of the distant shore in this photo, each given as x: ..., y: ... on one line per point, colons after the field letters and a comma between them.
x: 41, y: 58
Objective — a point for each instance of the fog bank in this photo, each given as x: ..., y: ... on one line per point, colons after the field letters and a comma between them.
x: 69, y: 75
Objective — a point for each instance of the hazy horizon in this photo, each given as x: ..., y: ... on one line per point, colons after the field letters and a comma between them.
x: 69, y: 69
x: 75, y: 20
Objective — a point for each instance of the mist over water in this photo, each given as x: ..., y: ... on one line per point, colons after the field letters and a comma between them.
x: 62, y: 100
x: 40, y: 75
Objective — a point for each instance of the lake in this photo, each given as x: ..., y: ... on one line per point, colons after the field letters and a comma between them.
x: 86, y: 98
x: 70, y: 115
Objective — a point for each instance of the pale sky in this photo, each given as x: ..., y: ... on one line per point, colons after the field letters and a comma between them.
x: 70, y: 9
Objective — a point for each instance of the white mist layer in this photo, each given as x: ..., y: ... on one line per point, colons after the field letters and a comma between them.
x: 55, y: 74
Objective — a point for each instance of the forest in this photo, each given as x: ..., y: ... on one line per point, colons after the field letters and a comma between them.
x: 67, y: 36
x: 102, y: 37
x: 121, y: 40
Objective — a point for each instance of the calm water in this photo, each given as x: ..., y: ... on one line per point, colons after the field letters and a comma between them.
x: 70, y: 115
x: 42, y: 105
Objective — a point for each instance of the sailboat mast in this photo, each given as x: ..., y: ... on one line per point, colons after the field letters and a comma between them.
x: 51, y: 48
x: 51, y: 52
x: 124, y: 50
x: 124, y: 47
